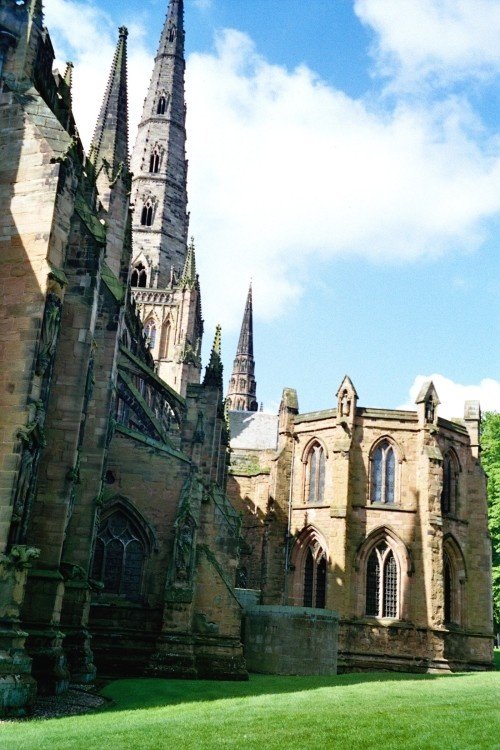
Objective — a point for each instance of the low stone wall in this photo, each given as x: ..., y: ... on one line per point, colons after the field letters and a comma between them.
x: 290, y: 640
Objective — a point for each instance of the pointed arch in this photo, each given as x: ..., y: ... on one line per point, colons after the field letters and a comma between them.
x: 385, y: 462
x: 383, y: 570
x: 309, y: 562
x: 150, y: 331
x: 314, y: 474
x: 454, y: 579
x: 166, y: 336
x: 451, y: 473
x: 122, y: 547
x: 139, y: 275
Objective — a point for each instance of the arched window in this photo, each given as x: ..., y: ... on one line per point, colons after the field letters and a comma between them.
x: 139, y: 277
x: 382, y: 583
x: 315, y: 474
x: 147, y: 214
x: 449, y: 494
x: 154, y: 161
x: 165, y: 339
x: 448, y: 589
x: 454, y: 575
x: 119, y: 556
x: 150, y: 333
x: 314, y: 580
x: 383, y: 473
x: 162, y: 105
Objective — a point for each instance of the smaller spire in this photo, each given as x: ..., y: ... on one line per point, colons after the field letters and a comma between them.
x: 242, y: 386
x: 245, y: 343
x: 213, y: 372
x: 189, y: 272
x: 110, y: 142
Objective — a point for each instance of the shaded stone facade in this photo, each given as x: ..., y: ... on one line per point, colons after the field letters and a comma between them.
x: 118, y: 544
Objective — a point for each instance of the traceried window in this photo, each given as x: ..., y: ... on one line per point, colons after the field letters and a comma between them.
x: 162, y: 105
x: 139, y: 276
x: 383, y: 473
x: 154, y: 161
x: 147, y: 214
x: 382, y: 583
x: 314, y: 580
x: 119, y: 556
x: 450, y: 485
x: 315, y: 475
x: 150, y: 333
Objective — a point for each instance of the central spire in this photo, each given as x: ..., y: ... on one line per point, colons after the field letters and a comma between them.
x: 158, y: 162
x: 242, y: 386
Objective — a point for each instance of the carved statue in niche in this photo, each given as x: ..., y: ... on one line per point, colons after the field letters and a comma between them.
x: 345, y: 405
x: 184, y: 546
x: 50, y: 331
x: 429, y: 410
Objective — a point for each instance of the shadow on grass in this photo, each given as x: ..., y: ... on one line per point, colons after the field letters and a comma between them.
x: 129, y: 695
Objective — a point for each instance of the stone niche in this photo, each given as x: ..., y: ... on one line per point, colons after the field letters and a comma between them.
x: 291, y: 640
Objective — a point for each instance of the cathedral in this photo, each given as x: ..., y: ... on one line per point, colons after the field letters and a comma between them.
x: 147, y: 519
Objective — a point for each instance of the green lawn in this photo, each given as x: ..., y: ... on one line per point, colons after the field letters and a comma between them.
x: 351, y: 712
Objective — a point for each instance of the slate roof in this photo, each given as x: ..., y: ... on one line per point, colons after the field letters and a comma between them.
x: 253, y: 430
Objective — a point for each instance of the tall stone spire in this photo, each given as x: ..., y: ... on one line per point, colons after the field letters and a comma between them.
x: 159, y: 163
x: 109, y: 148
x: 242, y: 386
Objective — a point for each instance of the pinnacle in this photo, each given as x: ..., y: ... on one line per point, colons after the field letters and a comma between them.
x: 189, y: 272
x: 213, y: 372
x: 110, y: 141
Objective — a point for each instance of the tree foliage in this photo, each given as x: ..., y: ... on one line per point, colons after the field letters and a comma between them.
x: 490, y: 457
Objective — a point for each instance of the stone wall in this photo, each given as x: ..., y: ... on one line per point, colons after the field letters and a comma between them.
x: 290, y: 640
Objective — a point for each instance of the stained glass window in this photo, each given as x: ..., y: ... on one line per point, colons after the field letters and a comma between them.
x: 383, y: 474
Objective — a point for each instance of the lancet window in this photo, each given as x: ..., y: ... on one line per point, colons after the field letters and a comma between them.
x: 139, y: 276
x: 147, y: 214
x: 162, y: 105
x: 383, y: 473
x: 119, y: 556
x: 314, y: 580
x: 315, y: 474
x: 155, y: 161
x: 150, y: 333
x: 382, y: 583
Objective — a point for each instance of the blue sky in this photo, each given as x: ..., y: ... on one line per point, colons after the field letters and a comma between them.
x: 345, y: 156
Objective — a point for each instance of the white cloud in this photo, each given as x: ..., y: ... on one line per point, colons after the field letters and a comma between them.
x: 203, y: 4
x: 454, y: 395
x: 284, y: 169
x: 447, y: 39
x: 86, y: 34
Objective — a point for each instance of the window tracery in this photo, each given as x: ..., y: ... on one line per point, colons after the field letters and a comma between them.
x: 382, y: 582
x: 383, y: 473
x: 139, y: 276
x: 119, y: 556
x: 315, y: 474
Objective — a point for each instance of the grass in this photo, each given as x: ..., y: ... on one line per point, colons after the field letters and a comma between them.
x: 346, y: 712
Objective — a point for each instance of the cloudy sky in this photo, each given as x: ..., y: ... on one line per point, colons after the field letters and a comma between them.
x: 345, y: 156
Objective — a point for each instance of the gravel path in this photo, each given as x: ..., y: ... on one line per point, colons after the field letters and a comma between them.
x: 79, y: 699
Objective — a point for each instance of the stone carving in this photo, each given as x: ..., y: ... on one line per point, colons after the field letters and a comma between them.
x: 50, y: 331
x: 20, y: 556
x: 184, y: 546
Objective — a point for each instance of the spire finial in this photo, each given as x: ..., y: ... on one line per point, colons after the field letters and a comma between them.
x: 110, y: 141
x: 213, y: 372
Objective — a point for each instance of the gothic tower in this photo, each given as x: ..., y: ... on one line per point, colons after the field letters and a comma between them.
x: 163, y: 275
x: 241, y: 395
